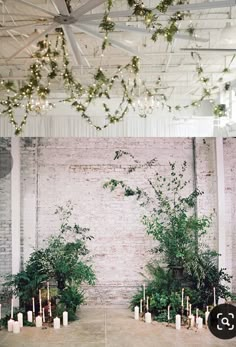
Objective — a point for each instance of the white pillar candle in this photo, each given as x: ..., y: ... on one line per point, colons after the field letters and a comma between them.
x: 65, y: 318
x: 168, y: 312
x: 148, y: 317
x: 144, y: 292
x: 187, y: 303
x: 43, y: 315
x: 136, y: 313
x: 56, y: 323
x: 10, y: 325
x: 16, y: 327
x: 178, y: 322
x: 11, y: 308
x: 190, y: 309
x: 214, y: 294
x: 30, y: 316
x: 20, y: 319
x: 182, y: 301
x: 48, y: 292
x: 39, y: 322
x: 141, y: 305
x: 147, y: 302
x: 33, y: 305
x: 199, y: 322
x: 40, y: 302
x: 0, y: 311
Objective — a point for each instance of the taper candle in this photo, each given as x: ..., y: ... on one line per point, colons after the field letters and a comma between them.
x: 187, y: 303
x: 0, y: 311
x: 11, y: 308
x: 48, y: 295
x: 214, y: 294
x: 168, y: 312
x: 33, y: 305
x: 43, y: 315
x: 196, y: 313
x: 147, y: 302
x: 50, y: 309
x: 40, y: 302
x: 141, y: 305
x: 144, y: 292
x: 182, y: 302
x: 190, y: 309
x: 206, y: 316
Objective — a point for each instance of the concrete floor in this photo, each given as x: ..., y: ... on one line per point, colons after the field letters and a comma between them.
x: 111, y: 327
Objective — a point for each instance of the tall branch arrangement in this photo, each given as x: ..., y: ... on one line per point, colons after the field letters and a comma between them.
x: 180, y: 257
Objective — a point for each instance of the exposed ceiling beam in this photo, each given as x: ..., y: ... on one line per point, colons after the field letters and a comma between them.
x: 75, y: 49
x: 86, y: 29
x: 88, y: 6
x: 27, y: 3
x: 186, y: 7
x: 209, y: 50
x: 61, y: 7
x: 33, y: 39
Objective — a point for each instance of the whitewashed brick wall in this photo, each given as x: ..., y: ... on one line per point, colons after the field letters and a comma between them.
x: 5, y: 217
x: 55, y: 170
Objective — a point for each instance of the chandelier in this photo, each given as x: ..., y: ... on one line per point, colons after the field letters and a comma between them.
x: 39, y: 106
x: 145, y: 105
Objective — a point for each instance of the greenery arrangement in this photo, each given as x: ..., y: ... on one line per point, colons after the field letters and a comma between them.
x: 47, y: 69
x: 63, y: 262
x: 184, y: 261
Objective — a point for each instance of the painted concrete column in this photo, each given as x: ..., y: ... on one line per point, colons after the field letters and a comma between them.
x: 220, y: 183
x: 15, y: 206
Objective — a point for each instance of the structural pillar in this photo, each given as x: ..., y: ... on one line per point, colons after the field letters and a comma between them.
x: 220, y: 177
x: 15, y: 206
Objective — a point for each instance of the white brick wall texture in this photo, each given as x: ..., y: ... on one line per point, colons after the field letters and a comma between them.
x: 55, y: 170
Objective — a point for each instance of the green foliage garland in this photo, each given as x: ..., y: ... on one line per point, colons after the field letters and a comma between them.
x: 47, y: 69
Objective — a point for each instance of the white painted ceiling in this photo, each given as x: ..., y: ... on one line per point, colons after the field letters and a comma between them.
x: 158, y: 59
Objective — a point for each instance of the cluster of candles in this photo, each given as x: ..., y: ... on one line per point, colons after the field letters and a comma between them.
x: 143, y: 311
x: 15, y: 326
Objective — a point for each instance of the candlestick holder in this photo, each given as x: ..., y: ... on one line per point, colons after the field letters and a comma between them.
x: 182, y: 315
x: 144, y: 310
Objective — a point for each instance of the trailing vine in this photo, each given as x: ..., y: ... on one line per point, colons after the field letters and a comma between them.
x: 52, y: 63
x: 79, y: 96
